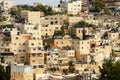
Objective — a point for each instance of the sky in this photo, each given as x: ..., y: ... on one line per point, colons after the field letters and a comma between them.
x: 30, y: 2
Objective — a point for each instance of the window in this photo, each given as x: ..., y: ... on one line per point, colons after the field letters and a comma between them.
x: 56, y: 22
x: 16, y: 37
x: 61, y: 23
x: 72, y: 42
x: 33, y: 55
x: 33, y: 60
x: 39, y: 48
x: 23, y: 43
x: 56, y: 42
x: 55, y: 59
x: 51, y: 23
x: 24, y: 50
x: 19, y: 50
x: 18, y: 33
x: 56, y: 28
x: 34, y: 67
x: 39, y: 54
x: 96, y: 49
x: 22, y: 57
x: 46, y: 18
x: 34, y: 49
x: 32, y: 44
x: 82, y: 42
x: 81, y: 47
x: 40, y: 66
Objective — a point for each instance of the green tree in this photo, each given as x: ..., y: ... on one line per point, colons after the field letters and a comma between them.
x: 2, y: 59
x: 40, y: 7
x: 46, y: 47
x: 58, y: 33
x: 14, y: 11
x: 8, y: 70
x: 110, y: 70
x: 53, y: 69
x: 8, y: 26
x: 64, y: 28
x: 65, y: 71
x: 71, y: 68
x: 99, y: 5
x: 49, y: 11
x: 81, y: 24
x: 2, y: 73
x: 27, y: 7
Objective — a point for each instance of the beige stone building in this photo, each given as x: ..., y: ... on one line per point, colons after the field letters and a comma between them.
x: 36, y: 57
x: 94, y: 22
x: 49, y: 30
x: 37, y: 60
x: 27, y: 46
x: 7, y: 16
x: 25, y: 43
x: 6, y: 5
x: 33, y: 29
x: 32, y: 17
x: 53, y: 20
x: 113, y: 36
x: 8, y: 57
x: 18, y: 45
x: 57, y: 9
x: 72, y: 7
x: 66, y: 54
x: 74, y: 19
x: 78, y: 32
x: 87, y: 16
x: 53, y: 57
x: 21, y: 72
x: 65, y: 41
x: 82, y: 48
